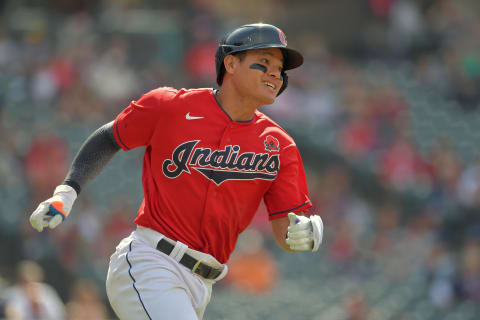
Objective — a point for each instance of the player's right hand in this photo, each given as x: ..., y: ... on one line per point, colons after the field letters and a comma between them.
x: 51, y: 212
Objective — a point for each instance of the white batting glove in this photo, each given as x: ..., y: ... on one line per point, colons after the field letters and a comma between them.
x: 55, y: 210
x: 304, y: 233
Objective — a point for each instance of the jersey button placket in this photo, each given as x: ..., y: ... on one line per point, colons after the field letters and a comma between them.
x: 226, y: 136
x: 224, y: 140
x: 212, y: 192
x: 212, y: 188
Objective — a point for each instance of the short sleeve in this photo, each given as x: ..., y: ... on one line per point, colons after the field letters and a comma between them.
x: 135, y: 125
x: 289, y: 191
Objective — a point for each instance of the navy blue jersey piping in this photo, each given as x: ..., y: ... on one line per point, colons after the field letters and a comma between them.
x: 118, y: 135
x: 214, y: 92
x: 289, y: 210
x: 133, y: 279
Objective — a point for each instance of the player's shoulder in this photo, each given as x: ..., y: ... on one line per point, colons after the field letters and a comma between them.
x: 156, y: 97
x: 170, y: 93
x: 267, y: 123
x: 165, y: 98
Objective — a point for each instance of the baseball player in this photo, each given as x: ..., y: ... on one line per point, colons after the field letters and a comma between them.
x: 210, y: 158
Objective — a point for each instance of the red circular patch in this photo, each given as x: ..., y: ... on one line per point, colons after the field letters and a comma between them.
x: 283, y: 38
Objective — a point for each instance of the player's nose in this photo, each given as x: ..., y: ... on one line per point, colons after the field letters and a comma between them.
x: 274, y: 72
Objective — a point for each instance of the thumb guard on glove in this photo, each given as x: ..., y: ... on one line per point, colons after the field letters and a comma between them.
x: 55, y: 210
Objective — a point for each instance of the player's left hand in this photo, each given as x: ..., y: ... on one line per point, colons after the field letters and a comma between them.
x: 304, y: 233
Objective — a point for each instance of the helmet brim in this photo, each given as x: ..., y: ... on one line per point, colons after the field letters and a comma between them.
x: 293, y: 59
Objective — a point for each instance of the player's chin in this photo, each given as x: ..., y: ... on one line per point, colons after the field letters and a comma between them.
x: 266, y: 102
x: 269, y: 97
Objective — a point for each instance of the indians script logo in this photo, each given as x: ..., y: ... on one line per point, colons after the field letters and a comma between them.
x: 221, y: 165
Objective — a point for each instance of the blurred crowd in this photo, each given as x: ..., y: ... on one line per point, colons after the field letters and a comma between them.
x: 66, y: 70
x: 31, y: 298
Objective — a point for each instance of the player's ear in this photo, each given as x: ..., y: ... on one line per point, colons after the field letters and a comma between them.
x: 230, y: 62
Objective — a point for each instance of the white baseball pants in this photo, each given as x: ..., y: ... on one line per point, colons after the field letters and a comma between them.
x: 144, y: 283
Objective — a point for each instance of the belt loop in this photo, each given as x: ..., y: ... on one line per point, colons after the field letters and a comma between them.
x: 223, y: 273
x: 178, y: 251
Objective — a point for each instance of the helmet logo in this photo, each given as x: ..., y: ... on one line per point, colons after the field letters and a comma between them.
x: 283, y: 38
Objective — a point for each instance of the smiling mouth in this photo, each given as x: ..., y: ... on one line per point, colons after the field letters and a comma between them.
x: 270, y: 85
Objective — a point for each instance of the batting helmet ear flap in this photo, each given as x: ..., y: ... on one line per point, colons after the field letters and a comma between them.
x: 284, y: 84
x: 220, y: 68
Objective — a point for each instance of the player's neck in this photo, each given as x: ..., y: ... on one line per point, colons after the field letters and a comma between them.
x: 237, y: 107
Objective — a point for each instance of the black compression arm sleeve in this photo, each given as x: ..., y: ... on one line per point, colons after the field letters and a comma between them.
x: 92, y: 157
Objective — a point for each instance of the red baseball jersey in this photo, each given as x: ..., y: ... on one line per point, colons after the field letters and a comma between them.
x: 204, y: 175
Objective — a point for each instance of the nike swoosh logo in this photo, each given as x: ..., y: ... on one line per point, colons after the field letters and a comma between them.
x: 189, y: 117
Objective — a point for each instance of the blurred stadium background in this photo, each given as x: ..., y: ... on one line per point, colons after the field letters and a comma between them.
x: 385, y: 111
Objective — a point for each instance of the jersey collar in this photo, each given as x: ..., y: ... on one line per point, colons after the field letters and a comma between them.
x: 214, y: 93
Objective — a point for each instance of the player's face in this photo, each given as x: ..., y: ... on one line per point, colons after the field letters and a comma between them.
x: 260, y: 74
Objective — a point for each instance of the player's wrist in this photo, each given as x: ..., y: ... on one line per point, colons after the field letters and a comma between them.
x: 66, y: 191
x: 73, y: 184
x: 66, y: 195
